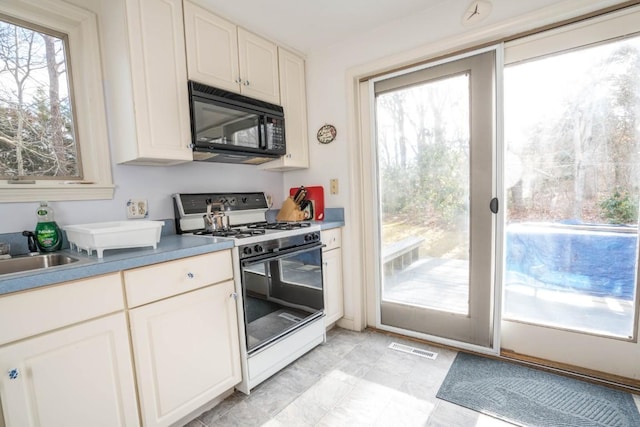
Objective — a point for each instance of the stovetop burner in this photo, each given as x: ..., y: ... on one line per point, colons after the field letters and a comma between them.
x: 279, y: 225
x: 232, y: 232
x: 254, y: 229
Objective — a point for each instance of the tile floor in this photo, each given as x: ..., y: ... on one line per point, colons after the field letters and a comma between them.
x: 352, y: 380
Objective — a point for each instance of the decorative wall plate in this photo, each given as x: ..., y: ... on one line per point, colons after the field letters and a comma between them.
x: 326, y: 134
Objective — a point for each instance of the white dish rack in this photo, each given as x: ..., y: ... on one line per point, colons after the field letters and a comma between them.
x: 113, y: 235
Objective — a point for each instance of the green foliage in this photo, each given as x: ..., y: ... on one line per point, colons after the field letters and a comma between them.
x: 620, y: 208
x: 432, y: 188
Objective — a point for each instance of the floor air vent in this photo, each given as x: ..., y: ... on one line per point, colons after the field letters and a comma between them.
x: 412, y: 350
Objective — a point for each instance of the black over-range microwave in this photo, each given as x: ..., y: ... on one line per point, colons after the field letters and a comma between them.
x: 231, y: 128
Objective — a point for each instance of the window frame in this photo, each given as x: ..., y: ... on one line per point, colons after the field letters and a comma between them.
x: 85, y: 65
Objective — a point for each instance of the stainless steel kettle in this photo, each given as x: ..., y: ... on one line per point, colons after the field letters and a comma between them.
x: 215, y: 220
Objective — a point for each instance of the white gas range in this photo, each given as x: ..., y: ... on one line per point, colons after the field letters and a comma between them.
x: 278, y: 273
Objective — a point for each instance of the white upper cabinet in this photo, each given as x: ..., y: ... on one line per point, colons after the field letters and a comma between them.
x: 293, y: 94
x: 222, y: 55
x: 148, y: 107
x: 212, y: 48
x: 258, y: 67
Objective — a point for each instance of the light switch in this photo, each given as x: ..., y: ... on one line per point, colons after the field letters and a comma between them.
x: 333, y: 186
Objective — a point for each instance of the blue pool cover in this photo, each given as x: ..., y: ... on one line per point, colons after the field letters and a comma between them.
x: 592, y: 260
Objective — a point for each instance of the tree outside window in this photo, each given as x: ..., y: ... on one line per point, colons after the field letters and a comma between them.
x: 37, y: 136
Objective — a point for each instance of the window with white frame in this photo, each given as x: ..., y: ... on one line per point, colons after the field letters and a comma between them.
x: 37, y: 134
x: 53, y: 133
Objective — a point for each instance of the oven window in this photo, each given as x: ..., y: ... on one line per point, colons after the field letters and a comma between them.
x: 281, y: 294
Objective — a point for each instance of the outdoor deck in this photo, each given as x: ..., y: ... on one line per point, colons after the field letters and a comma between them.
x: 441, y: 284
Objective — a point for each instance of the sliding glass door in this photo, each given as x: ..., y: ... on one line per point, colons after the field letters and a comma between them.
x: 572, y: 180
x: 560, y: 151
x: 435, y: 139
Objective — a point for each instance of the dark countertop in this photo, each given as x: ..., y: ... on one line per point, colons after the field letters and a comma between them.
x: 169, y: 248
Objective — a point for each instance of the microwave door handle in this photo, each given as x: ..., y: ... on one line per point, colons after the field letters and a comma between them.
x: 262, y: 133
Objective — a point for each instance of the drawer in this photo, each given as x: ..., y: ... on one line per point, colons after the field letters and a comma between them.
x: 155, y: 282
x: 332, y: 238
x: 40, y: 310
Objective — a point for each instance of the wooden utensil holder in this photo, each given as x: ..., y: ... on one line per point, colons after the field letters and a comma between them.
x: 290, y: 211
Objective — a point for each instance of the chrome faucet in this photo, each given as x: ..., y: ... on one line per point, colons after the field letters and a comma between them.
x: 31, y: 241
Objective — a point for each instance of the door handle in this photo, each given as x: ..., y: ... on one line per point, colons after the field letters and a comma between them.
x: 493, y: 205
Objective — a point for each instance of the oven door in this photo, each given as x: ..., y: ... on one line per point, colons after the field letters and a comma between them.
x: 281, y: 292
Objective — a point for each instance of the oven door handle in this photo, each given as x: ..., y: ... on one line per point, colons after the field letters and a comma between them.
x: 282, y: 254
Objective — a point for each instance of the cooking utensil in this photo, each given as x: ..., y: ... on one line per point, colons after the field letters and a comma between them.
x: 300, y: 195
x: 315, y: 194
x: 215, y: 221
x: 290, y: 211
x: 295, y: 196
x: 307, y: 208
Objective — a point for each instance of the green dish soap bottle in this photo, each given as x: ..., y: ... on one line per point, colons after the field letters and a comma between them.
x: 48, y: 235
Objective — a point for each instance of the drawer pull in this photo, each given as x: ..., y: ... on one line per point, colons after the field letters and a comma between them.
x: 234, y: 295
x: 13, y: 374
x: 190, y: 275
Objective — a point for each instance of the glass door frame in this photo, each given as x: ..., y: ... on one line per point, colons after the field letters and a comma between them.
x: 360, y: 304
x: 367, y: 98
x: 597, y: 355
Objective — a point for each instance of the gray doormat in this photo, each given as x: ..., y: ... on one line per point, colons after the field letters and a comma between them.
x: 531, y: 397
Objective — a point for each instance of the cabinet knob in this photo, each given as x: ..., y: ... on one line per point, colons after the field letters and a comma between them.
x: 238, y: 80
x: 234, y: 295
x: 246, y: 83
x: 190, y: 275
x: 13, y: 373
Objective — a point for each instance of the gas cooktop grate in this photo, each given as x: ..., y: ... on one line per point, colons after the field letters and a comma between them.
x: 233, y: 232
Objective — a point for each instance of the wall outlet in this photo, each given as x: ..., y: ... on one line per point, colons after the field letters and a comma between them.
x: 333, y: 186
x: 137, y: 208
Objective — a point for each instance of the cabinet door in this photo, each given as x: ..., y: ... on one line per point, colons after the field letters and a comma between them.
x: 212, y: 48
x: 159, y: 81
x: 186, y: 352
x: 77, y: 376
x: 258, y: 67
x: 293, y: 95
x: 333, y: 288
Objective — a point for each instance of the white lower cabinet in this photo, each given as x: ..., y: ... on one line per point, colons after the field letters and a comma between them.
x: 186, y: 350
x: 80, y: 375
x: 66, y: 350
x: 332, y: 276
